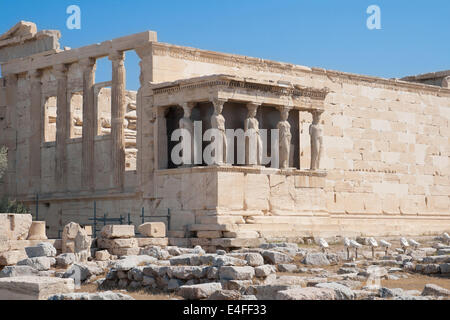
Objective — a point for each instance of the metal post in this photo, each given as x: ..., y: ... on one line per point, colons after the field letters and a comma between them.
x: 168, y: 219
x: 129, y: 219
x: 142, y: 215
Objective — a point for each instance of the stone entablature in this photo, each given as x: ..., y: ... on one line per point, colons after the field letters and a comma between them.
x: 161, y: 49
x: 232, y: 88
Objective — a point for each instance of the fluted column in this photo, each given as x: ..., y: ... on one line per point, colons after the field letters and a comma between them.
x: 62, y: 131
x: 35, y: 131
x: 11, y: 132
x: 87, y: 167
x: 117, y: 118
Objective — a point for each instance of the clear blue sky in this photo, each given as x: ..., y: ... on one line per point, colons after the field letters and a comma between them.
x: 330, y: 34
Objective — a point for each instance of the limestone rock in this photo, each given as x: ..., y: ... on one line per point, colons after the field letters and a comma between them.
x: 18, y: 271
x: 107, y: 295
x: 65, y: 260
x: 445, y: 268
x: 254, y: 259
x: 287, y: 267
x: 121, y: 252
x: 153, y: 229
x: 38, y: 263
x: 220, y: 261
x: 117, y: 243
x: 435, y: 290
x: 117, y: 231
x: 43, y: 249
x: 156, y: 251
x: 309, y: 293
x: 236, y: 273
x: 33, y: 288
x: 102, y: 255
x: 264, y: 271
x: 186, y: 272
x: 225, y: 295
x: 10, y: 258
x: 275, y: 257
x: 199, y: 291
x: 75, y: 239
x: 184, y: 259
x: 268, y: 291
x: 342, y: 292
x: 81, y: 272
x: 130, y: 262
x: 15, y: 226
x: 316, y: 259
x: 390, y: 292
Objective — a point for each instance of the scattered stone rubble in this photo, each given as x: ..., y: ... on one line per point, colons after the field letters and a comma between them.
x: 282, y: 271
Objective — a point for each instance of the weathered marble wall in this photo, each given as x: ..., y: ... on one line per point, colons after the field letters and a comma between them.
x: 386, y: 143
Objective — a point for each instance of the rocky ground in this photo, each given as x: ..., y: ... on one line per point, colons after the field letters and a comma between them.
x: 282, y: 271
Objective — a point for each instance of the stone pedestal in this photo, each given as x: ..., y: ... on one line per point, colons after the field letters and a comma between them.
x: 37, y: 231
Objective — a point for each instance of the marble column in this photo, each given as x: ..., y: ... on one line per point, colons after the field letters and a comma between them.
x: 11, y: 132
x: 117, y: 118
x: 62, y: 131
x: 285, y: 137
x: 89, y: 118
x: 315, y: 132
x: 218, y: 122
x: 35, y: 131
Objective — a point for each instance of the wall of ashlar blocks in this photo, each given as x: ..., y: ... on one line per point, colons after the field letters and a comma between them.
x: 386, y: 151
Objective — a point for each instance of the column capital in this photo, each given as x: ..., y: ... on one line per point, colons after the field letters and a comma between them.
x: 218, y: 102
x: 116, y: 56
x: 189, y: 105
x: 285, y: 108
x: 252, y: 105
x: 60, y: 71
x: 87, y: 62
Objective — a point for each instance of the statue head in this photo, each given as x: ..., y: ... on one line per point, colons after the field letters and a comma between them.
x: 252, y: 110
x: 284, y: 114
x: 187, y: 110
x: 218, y: 107
x: 316, y: 117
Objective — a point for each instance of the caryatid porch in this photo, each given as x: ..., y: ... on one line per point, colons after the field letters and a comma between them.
x: 229, y: 102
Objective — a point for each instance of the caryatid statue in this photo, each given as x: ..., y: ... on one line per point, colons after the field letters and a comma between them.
x: 218, y: 122
x: 446, y: 82
x: 285, y: 137
x: 253, y: 149
x: 187, y: 124
x: 315, y: 132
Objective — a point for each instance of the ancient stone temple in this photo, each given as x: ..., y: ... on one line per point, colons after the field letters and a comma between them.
x: 358, y: 155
